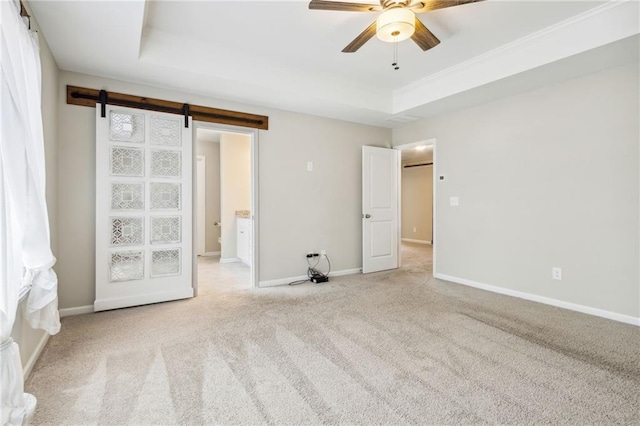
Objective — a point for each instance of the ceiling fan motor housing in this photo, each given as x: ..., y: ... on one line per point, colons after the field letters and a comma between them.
x: 395, y: 24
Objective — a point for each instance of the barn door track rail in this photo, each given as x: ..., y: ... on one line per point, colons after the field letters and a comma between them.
x: 90, y: 97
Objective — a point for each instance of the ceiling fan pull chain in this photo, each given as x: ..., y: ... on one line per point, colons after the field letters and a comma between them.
x: 395, y: 56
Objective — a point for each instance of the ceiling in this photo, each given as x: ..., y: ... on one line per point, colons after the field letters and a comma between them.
x: 280, y: 54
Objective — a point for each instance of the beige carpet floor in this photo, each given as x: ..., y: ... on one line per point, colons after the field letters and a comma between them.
x: 389, y: 348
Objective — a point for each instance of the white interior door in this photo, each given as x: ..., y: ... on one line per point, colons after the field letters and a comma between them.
x: 143, y: 208
x: 201, y: 204
x: 380, y: 199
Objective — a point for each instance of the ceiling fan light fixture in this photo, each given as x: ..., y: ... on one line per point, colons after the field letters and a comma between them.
x: 395, y: 24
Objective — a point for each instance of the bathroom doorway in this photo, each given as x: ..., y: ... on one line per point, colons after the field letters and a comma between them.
x: 225, y: 217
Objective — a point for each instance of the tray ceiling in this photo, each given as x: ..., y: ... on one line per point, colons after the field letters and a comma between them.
x: 283, y: 55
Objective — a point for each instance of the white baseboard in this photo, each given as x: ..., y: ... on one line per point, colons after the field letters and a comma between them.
x: 345, y: 272
x: 284, y: 281
x: 281, y: 281
x: 409, y: 240
x: 78, y: 310
x: 31, y: 362
x: 230, y: 260
x: 211, y: 254
x: 628, y: 319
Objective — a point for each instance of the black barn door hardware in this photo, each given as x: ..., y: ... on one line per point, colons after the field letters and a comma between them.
x: 89, y: 97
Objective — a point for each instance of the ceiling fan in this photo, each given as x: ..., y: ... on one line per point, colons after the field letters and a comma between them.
x: 397, y: 22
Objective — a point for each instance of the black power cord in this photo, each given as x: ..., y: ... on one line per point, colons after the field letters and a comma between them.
x: 315, y: 275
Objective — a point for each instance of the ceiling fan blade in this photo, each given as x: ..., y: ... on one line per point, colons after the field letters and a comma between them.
x: 343, y: 6
x: 364, y: 37
x: 428, y: 5
x: 423, y: 37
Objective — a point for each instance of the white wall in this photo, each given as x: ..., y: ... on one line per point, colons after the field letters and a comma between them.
x: 235, y: 184
x: 27, y: 338
x: 211, y: 152
x: 417, y: 203
x: 299, y: 210
x: 545, y: 178
x: 303, y: 211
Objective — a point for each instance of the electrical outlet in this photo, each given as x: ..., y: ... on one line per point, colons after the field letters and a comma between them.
x: 323, y: 253
x: 454, y: 201
x: 414, y: 229
x: 556, y: 273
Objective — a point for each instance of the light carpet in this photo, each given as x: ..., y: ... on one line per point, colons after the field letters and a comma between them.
x: 389, y: 348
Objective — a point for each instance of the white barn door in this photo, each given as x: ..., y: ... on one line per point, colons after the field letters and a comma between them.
x: 380, y: 201
x: 143, y: 208
x: 201, y: 205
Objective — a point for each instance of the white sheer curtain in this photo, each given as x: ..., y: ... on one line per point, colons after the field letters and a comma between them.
x: 25, y: 254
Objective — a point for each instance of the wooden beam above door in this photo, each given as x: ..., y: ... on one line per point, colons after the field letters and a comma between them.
x: 90, y: 97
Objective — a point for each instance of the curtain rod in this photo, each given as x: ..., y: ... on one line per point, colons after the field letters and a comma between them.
x: 417, y: 165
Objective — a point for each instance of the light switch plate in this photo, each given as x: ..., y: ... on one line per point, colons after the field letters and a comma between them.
x: 454, y: 201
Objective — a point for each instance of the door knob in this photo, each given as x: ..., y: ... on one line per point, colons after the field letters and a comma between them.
x: 366, y: 216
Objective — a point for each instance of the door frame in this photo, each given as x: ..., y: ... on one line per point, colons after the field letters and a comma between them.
x: 255, y: 252
x: 425, y: 142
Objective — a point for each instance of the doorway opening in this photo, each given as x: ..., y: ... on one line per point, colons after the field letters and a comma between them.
x: 225, y: 208
x: 417, y: 205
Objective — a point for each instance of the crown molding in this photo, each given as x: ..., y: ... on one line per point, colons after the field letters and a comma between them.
x: 604, y: 24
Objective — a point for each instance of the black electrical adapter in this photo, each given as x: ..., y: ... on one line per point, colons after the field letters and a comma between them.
x: 317, y: 278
